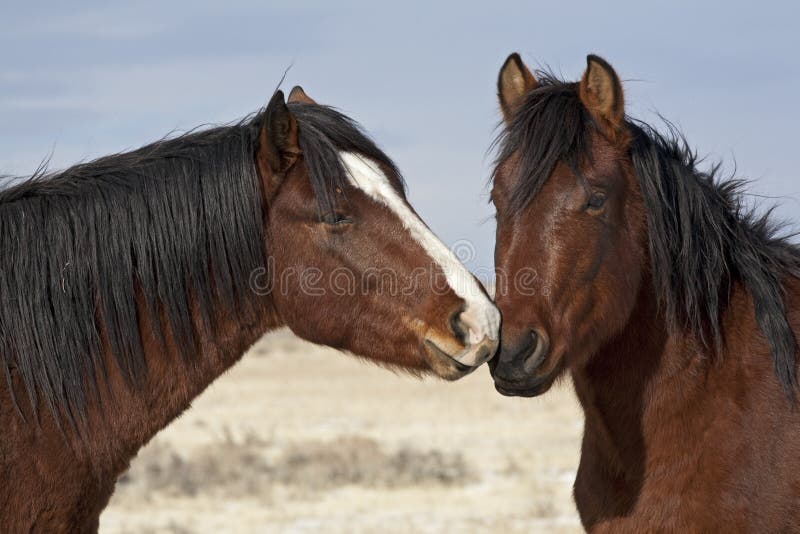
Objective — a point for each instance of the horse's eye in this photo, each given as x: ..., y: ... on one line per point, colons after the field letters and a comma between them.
x: 596, y: 201
x: 335, y: 219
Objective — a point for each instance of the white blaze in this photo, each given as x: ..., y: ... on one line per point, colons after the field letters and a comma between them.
x: 480, y: 315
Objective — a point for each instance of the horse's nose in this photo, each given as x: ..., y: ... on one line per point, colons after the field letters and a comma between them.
x: 475, y: 329
x: 479, y: 338
x: 459, y: 327
x: 519, y: 360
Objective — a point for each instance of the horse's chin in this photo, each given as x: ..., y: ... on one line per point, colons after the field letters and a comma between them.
x: 458, y: 364
x: 532, y: 387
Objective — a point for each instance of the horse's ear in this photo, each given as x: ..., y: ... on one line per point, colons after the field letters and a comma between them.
x: 278, y: 146
x: 601, y: 94
x: 513, y: 82
x: 298, y: 95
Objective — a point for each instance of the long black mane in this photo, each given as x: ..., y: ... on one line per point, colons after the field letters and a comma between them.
x: 702, y: 235
x: 176, y: 221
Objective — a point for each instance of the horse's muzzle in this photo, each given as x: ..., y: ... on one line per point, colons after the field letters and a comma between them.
x: 515, y: 369
x: 454, y: 366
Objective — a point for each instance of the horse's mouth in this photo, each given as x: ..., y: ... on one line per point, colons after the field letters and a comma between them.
x: 454, y: 366
x: 528, y: 388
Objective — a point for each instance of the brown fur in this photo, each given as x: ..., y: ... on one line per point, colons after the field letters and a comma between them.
x: 60, y: 482
x: 677, y: 437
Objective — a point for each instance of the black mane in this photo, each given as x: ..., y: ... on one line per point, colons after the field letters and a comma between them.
x: 702, y: 235
x: 175, y: 220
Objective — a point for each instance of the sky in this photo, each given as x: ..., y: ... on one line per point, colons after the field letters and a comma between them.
x: 82, y: 79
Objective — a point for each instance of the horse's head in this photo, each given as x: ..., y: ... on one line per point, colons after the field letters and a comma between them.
x: 571, y: 236
x: 352, y: 265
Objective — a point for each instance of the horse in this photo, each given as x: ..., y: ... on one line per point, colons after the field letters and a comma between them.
x: 131, y: 282
x: 672, y: 304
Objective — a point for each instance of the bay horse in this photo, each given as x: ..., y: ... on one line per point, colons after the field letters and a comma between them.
x: 131, y: 282
x: 672, y: 305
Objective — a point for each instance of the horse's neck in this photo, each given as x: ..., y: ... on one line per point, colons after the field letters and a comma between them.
x: 648, y: 384
x: 643, y: 374
x: 126, y: 418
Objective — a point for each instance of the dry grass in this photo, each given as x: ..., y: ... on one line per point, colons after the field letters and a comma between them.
x: 244, y: 469
x: 298, y: 438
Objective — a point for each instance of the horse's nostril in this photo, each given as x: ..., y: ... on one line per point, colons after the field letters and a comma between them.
x: 519, y: 351
x: 458, y: 327
x: 527, y: 354
x: 538, y: 352
x: 534, y: 339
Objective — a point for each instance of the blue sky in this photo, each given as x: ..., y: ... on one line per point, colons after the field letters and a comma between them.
x: 84, y: 79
